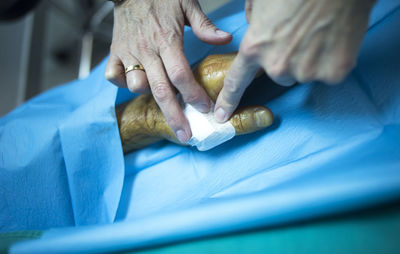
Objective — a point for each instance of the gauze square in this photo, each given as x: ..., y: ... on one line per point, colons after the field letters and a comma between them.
x: 207, y: 133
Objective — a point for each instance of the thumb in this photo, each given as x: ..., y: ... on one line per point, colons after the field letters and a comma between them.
x: 203, y: 27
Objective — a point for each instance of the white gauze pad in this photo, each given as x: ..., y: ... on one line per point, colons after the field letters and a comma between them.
x: 206, y: 131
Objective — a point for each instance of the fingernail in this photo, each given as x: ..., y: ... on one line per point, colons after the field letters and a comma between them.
x: 204, y: 108
x: 181, y: 135
x: 262, y: 118
x: 220, y: 115
x: 221, y: 33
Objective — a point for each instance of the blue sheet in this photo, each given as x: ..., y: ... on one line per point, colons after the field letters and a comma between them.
x: 332, y: 149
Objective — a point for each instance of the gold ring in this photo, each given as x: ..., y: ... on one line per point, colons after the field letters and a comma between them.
x: 134, y: 67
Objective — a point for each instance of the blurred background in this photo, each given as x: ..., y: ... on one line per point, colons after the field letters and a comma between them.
x: 56, y: 42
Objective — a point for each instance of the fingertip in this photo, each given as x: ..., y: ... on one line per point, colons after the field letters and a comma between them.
x: 221, y: 115
x: 224, y: 36
x: 202, y: 107
x: 182, y: 131
x: 205, y: 29
x: 114, y: 72
x: 182, y: 136
x: 222, y: 33
x: 203, y: 102
x: 251, y: 119
x: 178, y: 124
x: 263, y: 117
x: 109, y: 75
x: 115, y: 79
x: 195, y: 95
x: 215, y: 36
x: 110, y: 71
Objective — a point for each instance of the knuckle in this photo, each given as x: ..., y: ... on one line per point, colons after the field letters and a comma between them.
x: 143, y: 47
x: 191, y: 98
x: 305, y: 74
x: 178, y: 75
x: 302, y: 77
x: 249, y: 49
x: 345, y: 66
x: 167, y: 39
x: 332, y: 78
x: 338, y: 74
x: 114, y: 46
x: 278, y: 69
x: 161, y: 92
x: 118, y: 48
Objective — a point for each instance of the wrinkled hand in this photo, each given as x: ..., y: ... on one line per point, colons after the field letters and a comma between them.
x: 150, y: 33
x: 296, y: 40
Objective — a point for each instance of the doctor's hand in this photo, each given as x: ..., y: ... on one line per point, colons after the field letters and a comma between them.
x: 149, y: 33
x: 295, y: 40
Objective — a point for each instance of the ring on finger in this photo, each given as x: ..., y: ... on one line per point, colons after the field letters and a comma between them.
x: 134, y: 68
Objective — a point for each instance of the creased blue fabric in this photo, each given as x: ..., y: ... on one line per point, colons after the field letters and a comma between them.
x: 61, y: 158
x: 331, y: 149
x: 316, y: 124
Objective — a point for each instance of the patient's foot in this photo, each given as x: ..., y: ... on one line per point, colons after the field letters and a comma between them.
x: 141, y: 122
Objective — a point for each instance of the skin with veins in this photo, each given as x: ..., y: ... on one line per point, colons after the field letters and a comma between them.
x: 141, y: 121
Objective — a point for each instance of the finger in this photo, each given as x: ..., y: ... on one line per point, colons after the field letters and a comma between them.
x: 182, y: 78
x: 251, y: 119
x: 202, y: 26
x: 166, y: 99
x: 136, y: 79
x: 239, y: 76
x: 115, y: 72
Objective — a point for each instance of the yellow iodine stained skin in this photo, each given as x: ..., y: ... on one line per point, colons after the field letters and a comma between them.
x: 141, y: 121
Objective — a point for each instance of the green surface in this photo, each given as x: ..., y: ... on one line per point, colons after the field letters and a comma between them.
x: 374, y: 231
x: 6, y: 239
x: 369, y: 231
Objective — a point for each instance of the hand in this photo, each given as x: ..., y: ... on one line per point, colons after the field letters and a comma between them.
x: 141, y: 123
x: 150, y: 33
x: 295, y: 40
